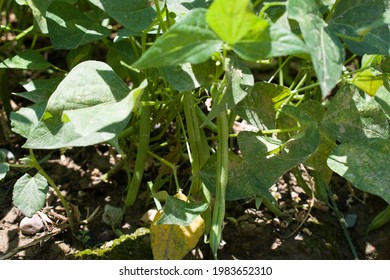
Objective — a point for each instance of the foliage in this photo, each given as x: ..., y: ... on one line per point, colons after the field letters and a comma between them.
x: 163, y: 59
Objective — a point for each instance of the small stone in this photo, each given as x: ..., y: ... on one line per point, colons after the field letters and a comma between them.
x: 30, y: 226
x: 350, y: 220
x: 370, y: 249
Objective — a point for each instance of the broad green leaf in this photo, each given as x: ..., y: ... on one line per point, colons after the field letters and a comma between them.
x: 325, y: 48
x: 70, y: 28
x: 303, y: 117
x: 365, y: 163
x: 270, y: 158
x: 239, y: 80
x: 183, y: 7
x: 29, y: 194
x: 383, y: 98
x: 39, y: 8
x: 29, y: 59
x: 231, y: 19
x: 313, y: 114
x: 179, y: 212
x: 135, y: 15
x: 190, y: 40
x: 274, y: 40
x: 188, y: 76
x: 120, y: 56
x: 25, y: 119
x: 259, y: 107
x: 39, y: 90
x: 368, y: 18
x: 352, y: 115
x: 242, y: 183
x: 91, y: 105
x: 4, y: 167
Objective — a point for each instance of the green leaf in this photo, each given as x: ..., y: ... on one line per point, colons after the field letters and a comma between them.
x: 317, y: 160
x: 4, y: 167
x: 39, y: 90
x: 368, y: 18
x: 188, y: 76
x: 231, y: 19
x: 241, y: 184
x: 26, y: 118
x: 239, y: 80
x: 91, y: 105
x: 352, y: 115
x: 365, y: 164
x: 39, y: 8
x: 259, y: 107
x: 69, y: 28
x: 120, y: 56
x: 135, y: 15
x: 29, y: 194
x: 183, y: 7
x: 325, y: 48
x: 78, y: 55
x: 29, y: 59
x: 190, y: 40
x: 270, y: 158
x: 274, y: 40
x: 383, y: 98
x: 179, y: 212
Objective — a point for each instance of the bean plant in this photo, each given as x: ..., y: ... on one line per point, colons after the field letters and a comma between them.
x: 193, y: 65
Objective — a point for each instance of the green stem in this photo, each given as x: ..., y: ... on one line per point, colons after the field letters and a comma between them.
x: 281, y: 130
x: 268, y: 5
x: 159, y: 16
x: 170, y: 165
x: 57, y: 190
x: 222, y: 178
x: 142, y: 152
x: 328, y: 17
x: 18, y: 37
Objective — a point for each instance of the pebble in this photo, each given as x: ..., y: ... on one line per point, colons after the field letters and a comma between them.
x: 30, y: 226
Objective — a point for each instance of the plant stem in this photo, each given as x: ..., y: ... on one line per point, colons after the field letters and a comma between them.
x: 222, y: 178
x: 57, y: 190
x: 142, y: 152
x: 328, y: 17
x: 170, y: 165
x: 18, y: 37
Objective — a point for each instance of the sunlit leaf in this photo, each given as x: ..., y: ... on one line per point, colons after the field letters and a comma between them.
x: 28, y: 59
x: 325, y: 48
x: 135, y: 15
x: 29, y: 193
x: 190, y: 40
x: 69, y: 28
x: 91, y: 105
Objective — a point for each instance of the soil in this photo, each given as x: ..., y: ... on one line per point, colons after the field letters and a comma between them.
x: 307, y: 230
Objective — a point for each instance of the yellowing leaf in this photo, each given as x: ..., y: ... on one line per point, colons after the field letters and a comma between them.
x: 368, y: 82
x: 173, y: 242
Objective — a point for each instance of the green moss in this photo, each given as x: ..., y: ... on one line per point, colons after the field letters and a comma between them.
x: 135, y: 246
